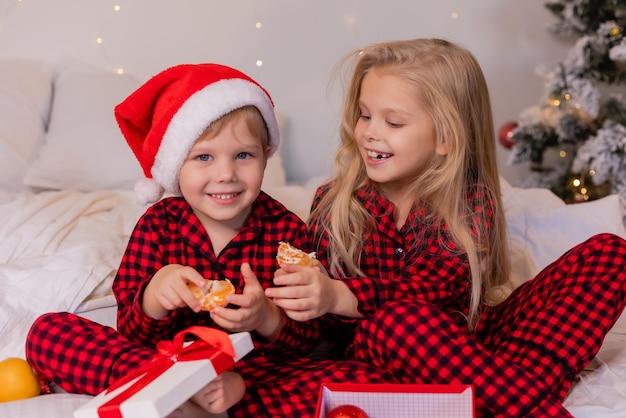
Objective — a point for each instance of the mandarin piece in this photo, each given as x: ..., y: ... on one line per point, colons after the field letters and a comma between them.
x: 213, y: 293
x: 291, y: 255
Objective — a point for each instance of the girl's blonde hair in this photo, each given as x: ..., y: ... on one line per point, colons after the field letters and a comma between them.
x: 451, y: 86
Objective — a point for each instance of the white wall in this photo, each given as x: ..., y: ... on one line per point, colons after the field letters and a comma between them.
x: 298, y: 43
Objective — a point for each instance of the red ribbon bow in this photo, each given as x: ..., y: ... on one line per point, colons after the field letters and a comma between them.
x: 213, y: 344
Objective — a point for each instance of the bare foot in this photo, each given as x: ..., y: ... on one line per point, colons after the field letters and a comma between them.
x: 213, y: 400
x: 191, y: 410
x: 221, y: 393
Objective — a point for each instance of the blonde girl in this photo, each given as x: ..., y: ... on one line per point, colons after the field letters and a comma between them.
x: 411, y: 231
x: 461, y: 115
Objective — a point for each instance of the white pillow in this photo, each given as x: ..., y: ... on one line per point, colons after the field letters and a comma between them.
x: 84, y: 148
x: 542, y: 227
x: 25, y: 94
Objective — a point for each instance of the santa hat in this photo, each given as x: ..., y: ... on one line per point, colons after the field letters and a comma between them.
x: 164, y: 117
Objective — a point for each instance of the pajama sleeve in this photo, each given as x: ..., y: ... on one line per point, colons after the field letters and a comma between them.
x: 141, y: 260
x: 296, y: 338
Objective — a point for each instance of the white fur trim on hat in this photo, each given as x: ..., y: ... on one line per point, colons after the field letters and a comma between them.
x: 148, y: 191
x: 199, y: 111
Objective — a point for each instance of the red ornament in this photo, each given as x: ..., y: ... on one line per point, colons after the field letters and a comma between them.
x: 347, y: 411
x: 505, y: 133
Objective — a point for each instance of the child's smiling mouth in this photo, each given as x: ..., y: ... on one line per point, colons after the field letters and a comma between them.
x: 223, y: 196
x: 378, y: 155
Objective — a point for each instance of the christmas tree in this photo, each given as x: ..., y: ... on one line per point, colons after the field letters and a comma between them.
x: 581, y: 120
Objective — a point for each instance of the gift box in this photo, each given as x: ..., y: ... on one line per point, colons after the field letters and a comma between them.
x: 382, y: 400
x: 176, y: 373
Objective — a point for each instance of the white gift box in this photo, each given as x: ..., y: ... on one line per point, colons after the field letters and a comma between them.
x: 382, y: 400
x: 169, y: 390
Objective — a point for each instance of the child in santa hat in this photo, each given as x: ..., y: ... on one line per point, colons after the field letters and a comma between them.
x: 202, y: 133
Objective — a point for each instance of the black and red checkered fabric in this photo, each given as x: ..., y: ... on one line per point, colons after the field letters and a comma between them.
x: 520, y: 361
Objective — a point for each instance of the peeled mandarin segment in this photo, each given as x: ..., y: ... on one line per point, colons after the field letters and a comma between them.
x: 219, y: 291
x: 213, y: 294
x: 292, y: 255
x: 197, y: 292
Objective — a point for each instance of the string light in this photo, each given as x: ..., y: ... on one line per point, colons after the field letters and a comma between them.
x: 259, y: 25
x: 117, y: 7
x: 615, y: 31
x: 554, y: 101
x: 100, y: 39
x: 582, y: 188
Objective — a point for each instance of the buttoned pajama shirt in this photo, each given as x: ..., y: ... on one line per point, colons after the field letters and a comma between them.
x: 85, y: 357
x: 520, y: 361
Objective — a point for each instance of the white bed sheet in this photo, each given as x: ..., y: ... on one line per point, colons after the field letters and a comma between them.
x: 55, y: 249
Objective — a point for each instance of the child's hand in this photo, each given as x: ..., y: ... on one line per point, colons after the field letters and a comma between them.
x: 168, y: 290
x: 308, y: 292
x: 256, y: 312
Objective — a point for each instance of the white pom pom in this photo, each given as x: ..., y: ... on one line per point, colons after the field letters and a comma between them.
x: 148, y: 191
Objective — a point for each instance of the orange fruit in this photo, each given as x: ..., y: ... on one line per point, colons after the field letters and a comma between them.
x: 17, y: 380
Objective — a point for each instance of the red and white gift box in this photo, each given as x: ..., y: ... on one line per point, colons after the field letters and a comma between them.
x: 175, y: 374
x: 382, y: 400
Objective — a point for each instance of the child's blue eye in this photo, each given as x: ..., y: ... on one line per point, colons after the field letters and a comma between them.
x: 204, y: 157
x: 243, y: 155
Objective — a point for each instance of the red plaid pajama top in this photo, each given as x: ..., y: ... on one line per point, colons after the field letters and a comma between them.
x: 169, y: 233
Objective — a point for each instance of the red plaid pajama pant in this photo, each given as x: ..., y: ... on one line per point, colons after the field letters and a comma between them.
x: 520, y: 362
